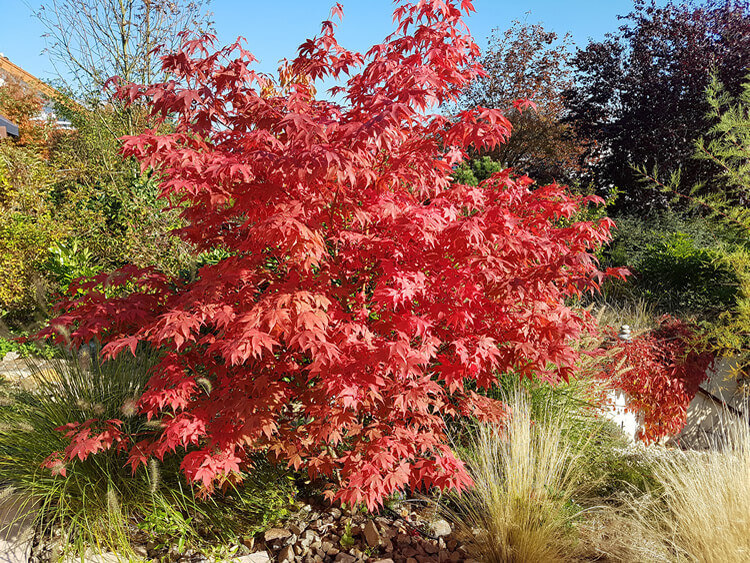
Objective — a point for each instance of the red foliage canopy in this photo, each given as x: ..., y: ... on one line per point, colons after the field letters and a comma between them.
x: 663, y: 372
x: 363, y: 289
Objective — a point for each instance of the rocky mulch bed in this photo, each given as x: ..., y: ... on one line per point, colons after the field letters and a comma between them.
x: 404, y: 536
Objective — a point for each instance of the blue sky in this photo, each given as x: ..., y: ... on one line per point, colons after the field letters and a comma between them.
x: 274, y: 28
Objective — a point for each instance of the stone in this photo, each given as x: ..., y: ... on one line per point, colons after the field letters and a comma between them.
x: 389, y: 560
x: 12, y: 357
x: 403, y: 539
x: 430, y: 547
x: 297, y: 528
x: 440, y: 528
x: 257, y: 557
x: 382, y: 521
x: 335, y: 513
x: 274, y: 534
x: 326, y: 546
x: 390, y: 531
x: 409, y: 552
x: 345, y: 558
x: 372, y: 536
x: 411, y: 560
x: 242, y: 549
x: 286, y: 555
x: 249, y: 542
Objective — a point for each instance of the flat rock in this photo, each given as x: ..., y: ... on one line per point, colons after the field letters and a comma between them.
x: 440, y: 528
x: 273, y: 534
x: 257, y: 557
x: 16, y: 529
x: 372, y: 536
x: 94, y: 557
x: 11, y: 357
x: 345, y: 558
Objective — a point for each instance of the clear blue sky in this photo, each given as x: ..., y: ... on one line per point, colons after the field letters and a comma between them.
x: 274, y: 28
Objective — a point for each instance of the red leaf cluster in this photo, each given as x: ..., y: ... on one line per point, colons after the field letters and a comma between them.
x: 87, y: 438
x: 364, y: 290
x: 664, y: 369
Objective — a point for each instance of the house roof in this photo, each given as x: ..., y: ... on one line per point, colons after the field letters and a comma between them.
x: 32, y: 81
x: 11, y: 128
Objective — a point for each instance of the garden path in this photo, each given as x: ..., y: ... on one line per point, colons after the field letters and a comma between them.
x: 16, y: 531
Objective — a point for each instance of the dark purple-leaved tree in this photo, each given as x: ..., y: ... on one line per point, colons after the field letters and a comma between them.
x: 640, y: 93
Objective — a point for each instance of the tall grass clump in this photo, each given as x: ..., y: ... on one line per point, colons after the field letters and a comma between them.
x: 100, y: 504
x: 527, y: 474
x: 704, y: 512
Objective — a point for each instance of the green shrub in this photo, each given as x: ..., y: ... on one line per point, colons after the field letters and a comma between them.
x: 680, y: 265
x: 27, y: 226
x: 26, y: 349
x: 67, y: 262
x: 679, y: 276
x: 24, y: 240
x: 476, y: 170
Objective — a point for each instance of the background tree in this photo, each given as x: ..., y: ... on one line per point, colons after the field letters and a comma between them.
x: 528, y: 62
x: 640, y: 99
x: 93, y: 40
x: 726, y: 146
x: 109, y: 198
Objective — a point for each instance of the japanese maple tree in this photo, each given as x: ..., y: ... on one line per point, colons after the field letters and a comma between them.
x: 664, y: 369
x: 364, y: 296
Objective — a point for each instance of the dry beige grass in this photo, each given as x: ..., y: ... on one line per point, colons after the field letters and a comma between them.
x: 705, y: 515
x: 521, y: 508
x: 701, y: 515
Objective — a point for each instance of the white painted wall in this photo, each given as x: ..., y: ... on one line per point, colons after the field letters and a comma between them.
x: 616, y: 411
x: 709, y: 422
